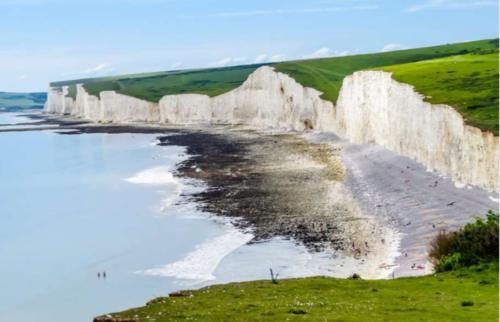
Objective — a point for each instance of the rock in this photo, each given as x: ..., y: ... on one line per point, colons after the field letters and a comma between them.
x: 371, y: 108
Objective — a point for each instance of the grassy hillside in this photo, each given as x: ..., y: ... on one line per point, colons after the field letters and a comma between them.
x: 327, y: 74
x: 465, y: 295
x: 16, y: 101
x: 152, y: 87
x: 324, y: 74
x: 467, y: 82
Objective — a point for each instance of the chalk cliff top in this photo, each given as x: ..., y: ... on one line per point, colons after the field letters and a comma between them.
x: 478, y: 105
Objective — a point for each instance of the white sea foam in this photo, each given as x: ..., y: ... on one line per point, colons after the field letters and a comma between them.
x: 154, y: 176
x: 163, y: 177
x: 201, y: 263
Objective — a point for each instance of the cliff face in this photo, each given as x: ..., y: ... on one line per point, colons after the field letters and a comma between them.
x: 372, y: 108
x: 265, y: 100
x: 58, y: 103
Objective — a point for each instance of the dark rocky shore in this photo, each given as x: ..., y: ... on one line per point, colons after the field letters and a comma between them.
x: 248, y: 179
x: 274, y: 185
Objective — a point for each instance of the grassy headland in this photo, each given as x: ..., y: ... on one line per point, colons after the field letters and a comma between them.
x: 471, y: 81
x: 326, y: 74
x: 153, y: 86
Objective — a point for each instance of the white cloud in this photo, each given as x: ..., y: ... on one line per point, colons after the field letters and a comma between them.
x: 451, y: 4
x: 326, y: 52
x: 293, y: 11
x: 176, y: 65
x: 229, y: 61
x: 232, y: 61
x: 222, y: 62
x: 277, y: 58
x: 264, y: 58
x: 392, y: 47
x: 99, y: 69
x: 322, y: 52
x: 240, y: 60
x: 261, y: 59
x: 96, y: 69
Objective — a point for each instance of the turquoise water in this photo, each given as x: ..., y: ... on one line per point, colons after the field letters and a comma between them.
x: 66, y: 213
x: 75, y: 205
x: 12, y: 118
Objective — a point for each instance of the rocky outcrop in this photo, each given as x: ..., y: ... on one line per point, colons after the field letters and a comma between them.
x: 372, y: 108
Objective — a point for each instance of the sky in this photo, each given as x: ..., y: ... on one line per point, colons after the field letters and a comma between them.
x: 49, y: 40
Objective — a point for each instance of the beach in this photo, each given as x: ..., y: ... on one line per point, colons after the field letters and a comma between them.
x: 372, y: 207
x: 238, y: 202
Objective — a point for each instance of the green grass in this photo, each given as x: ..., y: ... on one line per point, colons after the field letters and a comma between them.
x: 469, y: 83
x: 327, y: 74
x: 15, y: 101
x: 152, y: 87
x: 465, y: 295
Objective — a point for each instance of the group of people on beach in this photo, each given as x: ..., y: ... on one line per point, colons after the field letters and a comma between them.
x: 103, y: 274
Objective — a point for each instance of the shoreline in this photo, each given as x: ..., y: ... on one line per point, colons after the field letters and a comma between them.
x: 375, y: 211
x: 281, y: 186
x: 277, y: 185
x: 399, y: 205
x: 416, y: 202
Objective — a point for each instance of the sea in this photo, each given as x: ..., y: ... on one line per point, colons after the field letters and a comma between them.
x: 76, y: 207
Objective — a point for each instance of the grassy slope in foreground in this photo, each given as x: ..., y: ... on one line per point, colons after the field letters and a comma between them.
x: 15, y: 101
x: 439, y: 297
x: 469, y: 83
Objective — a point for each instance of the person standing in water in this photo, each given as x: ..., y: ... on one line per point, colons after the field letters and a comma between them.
x: 98, y: 274
x: 104, y: 275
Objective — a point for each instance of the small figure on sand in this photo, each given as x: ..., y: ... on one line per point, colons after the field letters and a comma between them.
x: 104, y: 275
x: 98, y: 274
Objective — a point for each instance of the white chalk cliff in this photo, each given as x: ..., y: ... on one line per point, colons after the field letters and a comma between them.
x: 371, y: 108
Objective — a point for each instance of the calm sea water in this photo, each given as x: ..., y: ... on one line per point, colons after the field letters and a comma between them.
x: 75, y: 205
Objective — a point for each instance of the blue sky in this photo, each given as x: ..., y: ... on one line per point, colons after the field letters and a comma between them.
x: 47, y: 40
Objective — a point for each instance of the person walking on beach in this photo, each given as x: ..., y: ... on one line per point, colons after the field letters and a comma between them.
x: 104, y: 275
x: 98, y: 274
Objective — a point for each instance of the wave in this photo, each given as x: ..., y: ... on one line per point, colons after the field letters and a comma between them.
x: 201, y: 263
x: 155, y: 176
x: 161, y: 176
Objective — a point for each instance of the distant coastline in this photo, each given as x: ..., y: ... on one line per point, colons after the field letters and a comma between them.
x: 18, y: 102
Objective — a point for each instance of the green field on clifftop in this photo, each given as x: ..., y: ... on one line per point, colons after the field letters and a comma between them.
x: 465, y: 295
x: 327, y: 74
x: 469, y: 83
x: 153, y: 86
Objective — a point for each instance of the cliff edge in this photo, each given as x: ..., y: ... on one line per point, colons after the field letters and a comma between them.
x: 371, y: 108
